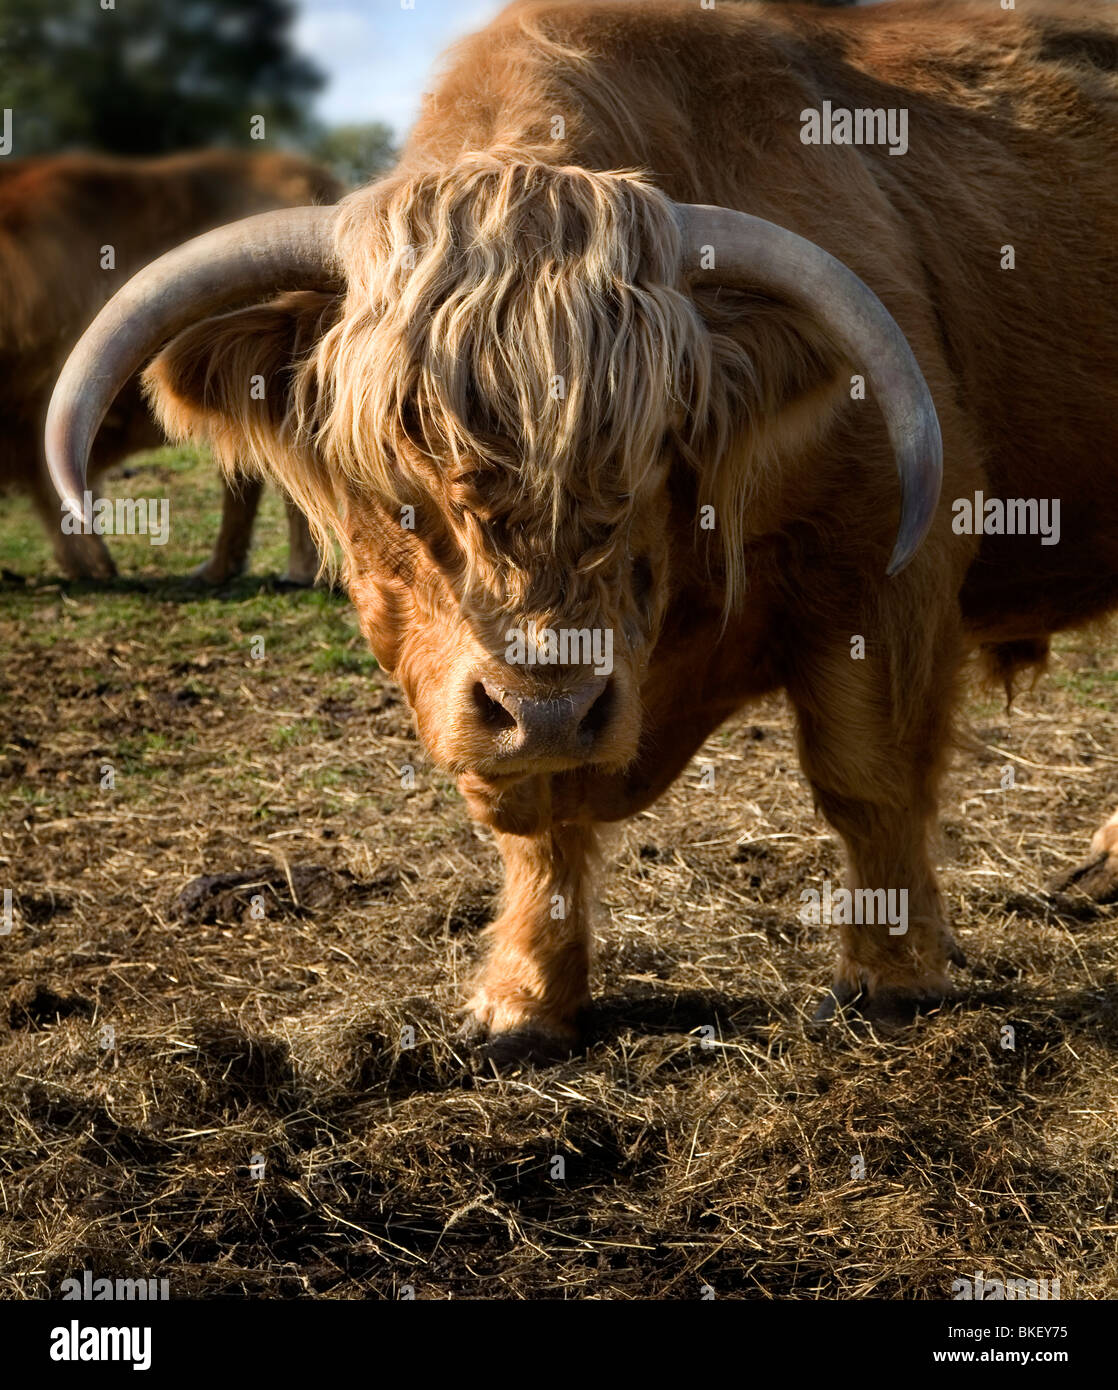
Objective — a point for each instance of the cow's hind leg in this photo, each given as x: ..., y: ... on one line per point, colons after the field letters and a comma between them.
x: 872, y: 742
x: 1098, y: 877
x: 535, y: 977
x: 239, y: 503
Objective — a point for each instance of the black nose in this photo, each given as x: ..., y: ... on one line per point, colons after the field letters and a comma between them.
x: 564, y: 724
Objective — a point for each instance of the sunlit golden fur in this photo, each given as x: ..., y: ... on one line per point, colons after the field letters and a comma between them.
x: 532, y: 337
x: 530, y: 324
x: 539, y: 251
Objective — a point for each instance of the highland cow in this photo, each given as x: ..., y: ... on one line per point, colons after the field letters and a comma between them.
x: 615, y: 349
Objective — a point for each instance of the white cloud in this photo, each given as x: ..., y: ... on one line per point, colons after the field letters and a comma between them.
x: 379, y: 56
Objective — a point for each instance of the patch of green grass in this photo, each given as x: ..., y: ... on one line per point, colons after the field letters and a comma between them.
x: 154, y: 606
x: 350, y: 658
x: 341, y: 774
x: 985, y: 709
x: 150, y: 754
x: 294, y: 735
x: 1097, y: 689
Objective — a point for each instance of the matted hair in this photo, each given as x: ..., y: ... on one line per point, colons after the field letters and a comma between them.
x: 520, y: 320
x: 514, y: 317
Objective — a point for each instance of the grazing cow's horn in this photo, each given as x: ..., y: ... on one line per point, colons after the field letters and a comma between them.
x: 750, y: 252
x: 237, y: 264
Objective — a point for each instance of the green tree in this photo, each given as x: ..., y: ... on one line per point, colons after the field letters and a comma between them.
x: 355, y: 153
x: 147, y: 76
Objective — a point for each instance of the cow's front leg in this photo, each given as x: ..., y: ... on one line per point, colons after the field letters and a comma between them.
x: 80, y: 554
x: 302, y: 553
x: 873, y: 747
x: 536, y: 972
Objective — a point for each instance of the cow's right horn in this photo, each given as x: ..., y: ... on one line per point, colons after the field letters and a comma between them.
x: 292, y: 249
x: 752, y: 253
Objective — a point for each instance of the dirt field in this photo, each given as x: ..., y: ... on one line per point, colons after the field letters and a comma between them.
x: 299, y: 1004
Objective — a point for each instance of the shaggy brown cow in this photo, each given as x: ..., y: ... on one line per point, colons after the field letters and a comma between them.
x: 56, y: 217
x: 595, y: 441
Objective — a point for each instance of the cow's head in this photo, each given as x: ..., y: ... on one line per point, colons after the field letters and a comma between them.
x: 480, y: 388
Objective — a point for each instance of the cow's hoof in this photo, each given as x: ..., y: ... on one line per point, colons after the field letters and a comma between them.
x: 1097, y: 879
x: 526, y: 1047
x: 840, y: 997
x: 209, y: 576
x: 292, y: 580
x: 887, y: 1009
x: 518, y: 1046
x: 99, y: 569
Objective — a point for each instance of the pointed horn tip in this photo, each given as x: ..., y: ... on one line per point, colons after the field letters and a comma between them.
x: 912, y: 533
x: 900, y: 559
x: 68, y: 480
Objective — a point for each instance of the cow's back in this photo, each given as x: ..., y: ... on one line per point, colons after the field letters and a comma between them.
x: 1012, y: 142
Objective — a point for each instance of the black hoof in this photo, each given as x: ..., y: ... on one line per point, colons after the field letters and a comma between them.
x: 888, y: 1009
x: 472, y: 1033
x: 839, y: 997
x: 517, y: 1047
x: 1097, y: 879
x: 526, y: 1047
x: 891, y: 1008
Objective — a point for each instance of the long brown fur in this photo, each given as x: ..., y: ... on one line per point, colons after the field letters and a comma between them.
x: 525, y: 236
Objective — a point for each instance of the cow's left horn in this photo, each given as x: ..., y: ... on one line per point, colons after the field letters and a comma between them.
x: 752, y: 253
x: 291, y: 249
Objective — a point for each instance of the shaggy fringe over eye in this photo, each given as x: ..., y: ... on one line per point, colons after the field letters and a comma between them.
x: 517, y: 318
x: 506, y: 323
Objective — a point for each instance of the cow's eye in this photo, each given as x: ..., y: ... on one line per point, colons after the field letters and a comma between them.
x: 473, y: 479
x: 642, y: 578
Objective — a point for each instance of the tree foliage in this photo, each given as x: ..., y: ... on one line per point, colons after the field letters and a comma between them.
x: 355, y: 153
x: 148, y: 76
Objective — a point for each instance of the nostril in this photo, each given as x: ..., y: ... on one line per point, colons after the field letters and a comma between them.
x: 598, y: 715
x: 493, y: 713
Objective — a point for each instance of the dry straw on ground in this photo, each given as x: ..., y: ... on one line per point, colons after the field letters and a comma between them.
x: 727, y: 1163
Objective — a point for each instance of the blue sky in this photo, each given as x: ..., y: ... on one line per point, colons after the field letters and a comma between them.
x: 378, y: 55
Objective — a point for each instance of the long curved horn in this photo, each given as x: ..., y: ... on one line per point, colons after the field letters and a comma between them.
x: 237, y: 264
x: 752, y: 253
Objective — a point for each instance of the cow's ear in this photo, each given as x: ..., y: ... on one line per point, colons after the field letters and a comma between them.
x: 229, y: 381
x: 777, y: 389
x: 780, y: 375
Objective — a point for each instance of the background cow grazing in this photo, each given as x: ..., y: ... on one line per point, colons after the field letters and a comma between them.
x: 525, y: 378
x: 57, y: 217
